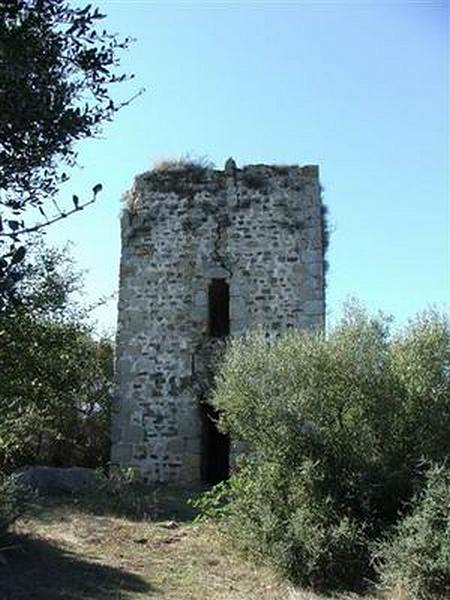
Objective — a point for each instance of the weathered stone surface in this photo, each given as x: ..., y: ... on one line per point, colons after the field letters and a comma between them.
x: 260, y: 230
x: 55, y: 481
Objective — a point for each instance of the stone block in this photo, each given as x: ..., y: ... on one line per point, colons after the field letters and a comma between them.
x: 121, y: 454
x: 176, y: 445
x: 201, y: 299
x: 313, y: 307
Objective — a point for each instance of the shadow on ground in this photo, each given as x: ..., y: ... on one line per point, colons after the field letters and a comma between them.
x: 35, y: 569
x: 136, y: 503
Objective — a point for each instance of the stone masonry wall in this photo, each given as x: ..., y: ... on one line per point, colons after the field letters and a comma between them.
x: 260, y: 228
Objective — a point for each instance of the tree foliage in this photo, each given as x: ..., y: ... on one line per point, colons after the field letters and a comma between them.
x: 56, y: 379
x: 414, y: 560
x: 340, y: 430
x: 57, y: 67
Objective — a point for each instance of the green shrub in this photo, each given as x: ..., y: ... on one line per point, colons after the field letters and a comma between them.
x: 415, y: 559
x: 14, y: 503
x: 338, y: 427
x: 126, y: 495
x: 281, y: 515
x: 121, y: 493
x: 55, y: 376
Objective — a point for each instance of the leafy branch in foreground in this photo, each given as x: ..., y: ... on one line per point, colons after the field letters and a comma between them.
x: 57, y: 67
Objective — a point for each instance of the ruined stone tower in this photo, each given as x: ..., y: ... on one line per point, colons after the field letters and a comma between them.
x: 205, y: 254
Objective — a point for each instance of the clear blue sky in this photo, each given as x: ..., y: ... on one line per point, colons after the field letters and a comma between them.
x: 358, y: 87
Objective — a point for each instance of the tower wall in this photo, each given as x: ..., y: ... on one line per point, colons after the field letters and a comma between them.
x: 258, y: 228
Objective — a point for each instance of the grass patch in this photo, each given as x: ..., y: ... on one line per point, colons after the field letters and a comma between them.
x: 78, y: 549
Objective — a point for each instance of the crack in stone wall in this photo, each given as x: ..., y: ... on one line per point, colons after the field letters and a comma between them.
x: 221, y: 225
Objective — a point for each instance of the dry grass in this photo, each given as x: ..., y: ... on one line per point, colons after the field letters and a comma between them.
x: 66, y: 553
x: 183, y: 162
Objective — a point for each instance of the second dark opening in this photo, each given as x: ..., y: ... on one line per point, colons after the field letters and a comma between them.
x: 219, y: 308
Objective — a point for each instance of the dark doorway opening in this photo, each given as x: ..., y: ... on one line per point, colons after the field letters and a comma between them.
x: 215, y: 464
x: 219, y: 308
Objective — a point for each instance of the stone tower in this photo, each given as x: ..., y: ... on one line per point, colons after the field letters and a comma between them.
x: 205, y: 254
